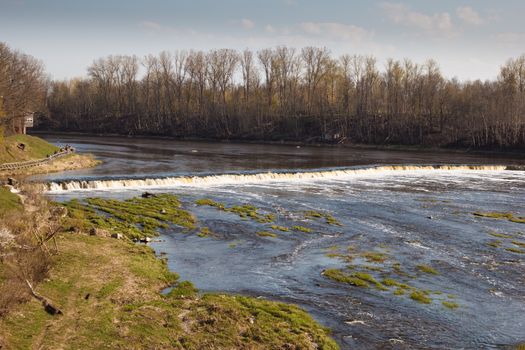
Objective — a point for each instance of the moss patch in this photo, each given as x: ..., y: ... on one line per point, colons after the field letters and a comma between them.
x: 420, y: 297
x: 279, y: 228
x: 245, y: 211
x: 204, y: 232
x: 519, y: 244
x: 515, y: 250
x: 495, y: 243
x: 340, y: 276
x: 329, y: 219
x: 500, y: 215
x: 500, y: 235
x: 363, y: 275
x: 374, y: 257
x: 427, y: 269
x: 266, y: 234
x: 450, y: 304
x: 135, y: 217
x: 302, y: 229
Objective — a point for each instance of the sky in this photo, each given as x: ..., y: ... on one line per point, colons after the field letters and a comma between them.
x: 469, y: 39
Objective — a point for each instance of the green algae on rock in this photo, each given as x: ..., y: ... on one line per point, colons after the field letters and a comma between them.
x: 135, y: 218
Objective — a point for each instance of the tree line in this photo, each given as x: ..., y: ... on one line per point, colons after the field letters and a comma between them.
x: 277, y: 93
x: 23, y: 86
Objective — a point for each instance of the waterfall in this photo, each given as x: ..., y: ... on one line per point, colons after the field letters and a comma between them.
x: 224, y: 179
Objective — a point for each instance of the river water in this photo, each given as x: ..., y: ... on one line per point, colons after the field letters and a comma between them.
x: 410, y: 216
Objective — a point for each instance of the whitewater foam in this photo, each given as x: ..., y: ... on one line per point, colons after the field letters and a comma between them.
x: 225, y: 179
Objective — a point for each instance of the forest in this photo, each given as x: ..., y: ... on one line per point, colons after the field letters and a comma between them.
x: 276, y: 94
x: 23, y: 86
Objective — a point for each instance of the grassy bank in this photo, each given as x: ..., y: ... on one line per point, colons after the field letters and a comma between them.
x: 109, y: 291
x: 8, y: 201
x: 69, y: 162
x: 36, y: 148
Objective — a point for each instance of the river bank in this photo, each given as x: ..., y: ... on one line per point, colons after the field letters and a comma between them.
x: 109, y: 290
x: 109, y: 293
x: 22, y: 148
x: 432, y: 247
x: 518, y: 153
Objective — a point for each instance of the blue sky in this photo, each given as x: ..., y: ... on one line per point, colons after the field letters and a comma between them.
x: 469, y: 39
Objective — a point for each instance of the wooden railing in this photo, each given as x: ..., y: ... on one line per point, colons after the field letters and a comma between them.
x: 35, y: 162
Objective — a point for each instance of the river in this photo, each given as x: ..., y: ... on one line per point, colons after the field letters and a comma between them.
x: 408, y: 216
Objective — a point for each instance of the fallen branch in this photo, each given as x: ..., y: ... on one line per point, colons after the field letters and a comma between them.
x: 50, y: 308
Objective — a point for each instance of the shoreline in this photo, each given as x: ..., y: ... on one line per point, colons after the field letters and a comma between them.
x: 109, y: 293
x: 24, y: 155
x: 71, y: 162
x: 514, y: 153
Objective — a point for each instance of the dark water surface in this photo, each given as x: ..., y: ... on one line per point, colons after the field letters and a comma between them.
x: 142, y: 157
x: 410, y: 217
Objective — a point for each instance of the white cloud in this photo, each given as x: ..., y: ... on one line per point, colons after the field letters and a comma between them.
x: 437, y: 23
x: 247, y: 24
x: 150, y: 25
x: 334, y: 30
x: 269, y: 28
x: 510, y: 38
x: 468, y: 15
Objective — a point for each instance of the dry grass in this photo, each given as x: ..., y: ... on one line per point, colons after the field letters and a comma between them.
x: 70, y: 162
x: 26, y: 248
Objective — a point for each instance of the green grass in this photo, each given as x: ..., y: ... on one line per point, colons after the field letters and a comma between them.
x: 393, y: 283
x: 374, y: 257
x: 204, y: 232
x: 329, y: 219
x: 358, y: 279
x: 500, y: 215
x: 427, y: 269
x: 399, y: 291
x: 450, y: 304
x: 8, y: 201
x: 36, y: 148
x: 135, y: 218
x: 245, y: 211
x: 184, y: 289
x: 500, y: 235
x: 302, y: 229
x: 515, y: 250
x: 519, y: 244
x: 370, y: 279
x: 339, y: 276
x: 495, y: 243
x: 519, y: 220
x: 420, y: 297
x: 494, y: 215
x: 279, y: 228
x: 109, y: 292
x: 266, y: 234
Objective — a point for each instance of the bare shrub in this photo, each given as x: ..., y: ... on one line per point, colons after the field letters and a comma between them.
x: 25, y: 253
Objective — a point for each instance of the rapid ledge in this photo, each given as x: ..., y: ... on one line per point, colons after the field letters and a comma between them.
x: 225, y: 179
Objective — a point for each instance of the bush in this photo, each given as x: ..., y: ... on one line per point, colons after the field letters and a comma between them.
x: 25, y: 256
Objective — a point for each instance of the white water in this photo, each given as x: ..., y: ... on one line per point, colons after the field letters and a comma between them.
x: 224, y: 179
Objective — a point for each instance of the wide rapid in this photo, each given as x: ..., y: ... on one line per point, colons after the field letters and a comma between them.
x: 408, y: 222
